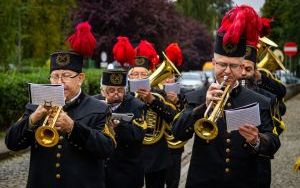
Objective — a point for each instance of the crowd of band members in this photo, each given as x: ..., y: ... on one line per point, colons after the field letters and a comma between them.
x: 96, y: 151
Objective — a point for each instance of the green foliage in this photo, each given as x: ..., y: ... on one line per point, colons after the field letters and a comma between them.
x: 14, y: 93
x: 32, y: 29
x: 286, y: 14
x: 208, y: 12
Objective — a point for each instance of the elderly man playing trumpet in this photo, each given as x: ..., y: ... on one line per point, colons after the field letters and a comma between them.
x: 77, y: 159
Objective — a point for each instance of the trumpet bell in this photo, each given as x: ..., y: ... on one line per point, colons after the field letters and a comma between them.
x: 206, y: 129
x: 47, y: 136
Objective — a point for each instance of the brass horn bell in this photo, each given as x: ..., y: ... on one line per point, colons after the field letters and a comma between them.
x: 46, y: 135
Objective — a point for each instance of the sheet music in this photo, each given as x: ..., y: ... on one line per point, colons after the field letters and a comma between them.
x: 245, y: 114
x: 172, y: 87
x: 135, y: 85
x: 41, y: 93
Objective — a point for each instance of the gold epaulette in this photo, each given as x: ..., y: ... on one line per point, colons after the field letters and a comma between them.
x: 108, y: 131
x: 297, y: 165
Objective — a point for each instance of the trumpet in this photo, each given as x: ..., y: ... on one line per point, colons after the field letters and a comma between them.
x: 46, y: 135
x: 206, y: 127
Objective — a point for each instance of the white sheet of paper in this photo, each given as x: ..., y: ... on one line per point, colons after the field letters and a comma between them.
x: 172, y: 87
x: 135, y: 85
x: 41, y: 93
x: 239, y: 116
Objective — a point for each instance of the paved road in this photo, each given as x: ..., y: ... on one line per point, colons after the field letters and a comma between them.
x: 13, y: 171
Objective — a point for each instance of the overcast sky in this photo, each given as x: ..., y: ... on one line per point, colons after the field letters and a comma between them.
x: 256, y: 4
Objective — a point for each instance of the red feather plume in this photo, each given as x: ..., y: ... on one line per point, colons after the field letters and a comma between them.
x: 123, y: 51
x: 241, y: 21
x: 146, y: 49
x: 83, y: 41
x: 174, y: 53
x: 266, y: 26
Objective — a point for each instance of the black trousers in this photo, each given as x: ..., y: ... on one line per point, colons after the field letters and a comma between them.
x: 156, y: 179
x: 264, y: 173
x: 173, y: 172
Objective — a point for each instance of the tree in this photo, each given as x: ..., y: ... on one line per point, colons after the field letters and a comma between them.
x: 208, y: 12
x: 154, y: 20
x: 285, y: 26
x: 32, y: 29
x: 8, y: 32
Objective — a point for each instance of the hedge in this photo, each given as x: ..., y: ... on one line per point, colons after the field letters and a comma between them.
x: 14, y: 92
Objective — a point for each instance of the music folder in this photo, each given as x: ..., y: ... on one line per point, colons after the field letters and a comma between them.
x: 46, y: 94
x: 135, y: 85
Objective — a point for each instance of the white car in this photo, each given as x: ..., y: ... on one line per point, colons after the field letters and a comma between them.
x: 192, y: 80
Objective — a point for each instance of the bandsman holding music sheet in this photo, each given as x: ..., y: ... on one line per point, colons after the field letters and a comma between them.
x: 223, y: 158
x: 124, y: 168
x: 69, y: 142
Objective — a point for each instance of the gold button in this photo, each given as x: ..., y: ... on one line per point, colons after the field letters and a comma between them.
x: 227, y: 160
x: 57, y: 176
x: 227, y: 150
x: 57, y: 165
x: 228, y: 140
x: 61, y: 137
x: 229, y: 104
x: 245, y: 145
x: 227, y: 170
x: 187, y: 130
x: 58, y: 155
x: 59, y: 146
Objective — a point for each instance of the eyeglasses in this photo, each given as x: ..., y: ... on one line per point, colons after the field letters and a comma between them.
x: 66, y: 77
x: 224, y: 66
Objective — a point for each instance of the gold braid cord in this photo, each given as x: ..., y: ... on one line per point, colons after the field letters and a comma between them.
x: 297, y: 165
x: 108, y: 131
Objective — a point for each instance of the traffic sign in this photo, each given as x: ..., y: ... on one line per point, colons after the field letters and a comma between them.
x: 290, y: 49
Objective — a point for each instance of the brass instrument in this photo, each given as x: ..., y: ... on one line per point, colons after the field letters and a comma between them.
x: 172, y: 142
x: 155, y: 125
x: 165, y: 70
x: 206, y: 128
x: 46, y: 135
x: 269, y: 61
x: 297, y: 165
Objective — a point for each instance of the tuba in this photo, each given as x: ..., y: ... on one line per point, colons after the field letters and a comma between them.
x: 165, y: 70
x: 46, y: 135
x: 206, y: 128
x: 172, y: 142
x: 269, y: 61
x: 155, y: 125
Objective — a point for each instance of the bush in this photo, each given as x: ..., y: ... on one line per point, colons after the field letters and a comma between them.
x: 14, y: 91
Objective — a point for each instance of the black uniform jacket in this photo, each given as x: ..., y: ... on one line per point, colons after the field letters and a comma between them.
x: 125, y: 167
x: 272, y: 86
x: 276, y: 88
x: 157, y: 156
x: 77, y: 160
x: 226, y: 161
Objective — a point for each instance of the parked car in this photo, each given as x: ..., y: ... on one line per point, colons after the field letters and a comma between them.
x: 286, y: 77
x: 194, y: 79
